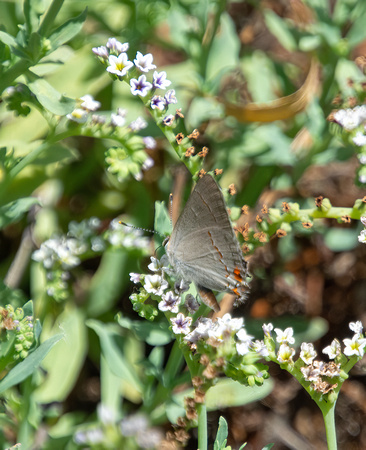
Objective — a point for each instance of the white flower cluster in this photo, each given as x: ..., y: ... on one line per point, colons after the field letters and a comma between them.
x: 314, y: 371
x: 114, y: 56
x: 351, y: 119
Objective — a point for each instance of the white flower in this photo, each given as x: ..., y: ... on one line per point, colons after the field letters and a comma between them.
x: 157, y: 102
x: 362, y: 178
x: 232, y: 324
x: 144, y: 62
x: 168, y: 120
x: 138, y: 124
x: 119, y: 65
x: 307, y: 353
x: 102, y: 52
x: 359, y: 139
x: 181, y: 324
x: 356, y: 327
x: 333, y: 350
x: 362, y: 236
x: 140, y: 86
x: 350, y: 119
x: 242, y: 348
x: 260, y: 348
x: 78, y: 115
x: 354, y: 346
x: 285, y: 336
x: 116, y: 46
x: 155, y: 265
x: 245, y: 342
x: 155, y: 284
x: 202, y: 327
x: 160, y: 81
x: 117, y: 120
x: 148, y: 163
x: 170, y: 302
x: 135, y: 277
x: 150, y: 142
x: 285, y: 353
x: 89, y: 103
x: 363, y: 220
x: 170, y: 97
x: 267, y: 329
x: 132, y: 424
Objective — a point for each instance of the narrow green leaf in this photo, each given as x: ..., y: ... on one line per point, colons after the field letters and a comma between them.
x: 67, y: 30
x: 13, y: 211
x: 8, y: 39
x: 278, y: 27
x: 29, y: 365
x: 221, y: 437
x: 117, y: 362
x: 50, y: 98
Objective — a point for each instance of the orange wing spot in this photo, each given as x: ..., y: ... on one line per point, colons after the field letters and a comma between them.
x: 235, y: 290
x: 237, y: 275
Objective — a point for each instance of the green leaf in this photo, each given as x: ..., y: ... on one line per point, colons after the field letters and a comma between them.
x: 51, y: 99
x: 22, y: 371
x: 162, y: 222
x: 156, y: 333
x: 13, y: 211
x: 116, y: 360
x: 341, y: 239
x: 8, y: 39
x: 357, y: 33
x: 221, y: 437
x: 278, y: 27
x: 63, y: 365
x: 67, y: 30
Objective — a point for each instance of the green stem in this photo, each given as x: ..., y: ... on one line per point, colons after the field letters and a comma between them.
x: 327, y: 410
x: 202, y: 426
x: 13, y: 73
x: 50, y: 17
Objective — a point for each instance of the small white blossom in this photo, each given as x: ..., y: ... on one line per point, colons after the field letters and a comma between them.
x: 181, y: 324
x: 232, y: 324
x: 148, y: 163
x: 78, y: 115
x: 160, y: 81
x: 89, y: 103
x: 354, y: 346
x: 363, y: 220
x: 267, y: 329
x: 140, y: 86
x: 138, y: 124
x: 362, y: 236
x: 150, y: 142
x: 155, y: 265
x: 242, y: 348
x: 144, y: 62
x: 135, y: 277
x: 285, y: 336
x: 362, y: 178
x: 356, y: 327
x: 202, y: 327
x: 362, y: 158
x: 155, y: 284
x: 102, y: 52
x: 307, y: 353
x: 359, y: 139
x: 260, y: 348
x: 105, y: 414
x: 157, y: 102
x: 117, y: 120
x: 119, y: 65
x: 168, y: 120
x: 132, y: 424
x: 170, y: 97
x: 333, y: 350
x: 311, y: 372
x: 285, y: 353
x: 116, y: 46
x: 170, y: 302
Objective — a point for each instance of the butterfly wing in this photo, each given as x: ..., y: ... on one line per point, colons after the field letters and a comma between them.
x: 203, y: 247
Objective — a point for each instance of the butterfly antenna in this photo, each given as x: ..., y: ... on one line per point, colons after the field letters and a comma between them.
x: 142, y: 229
x: 171, y: 210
